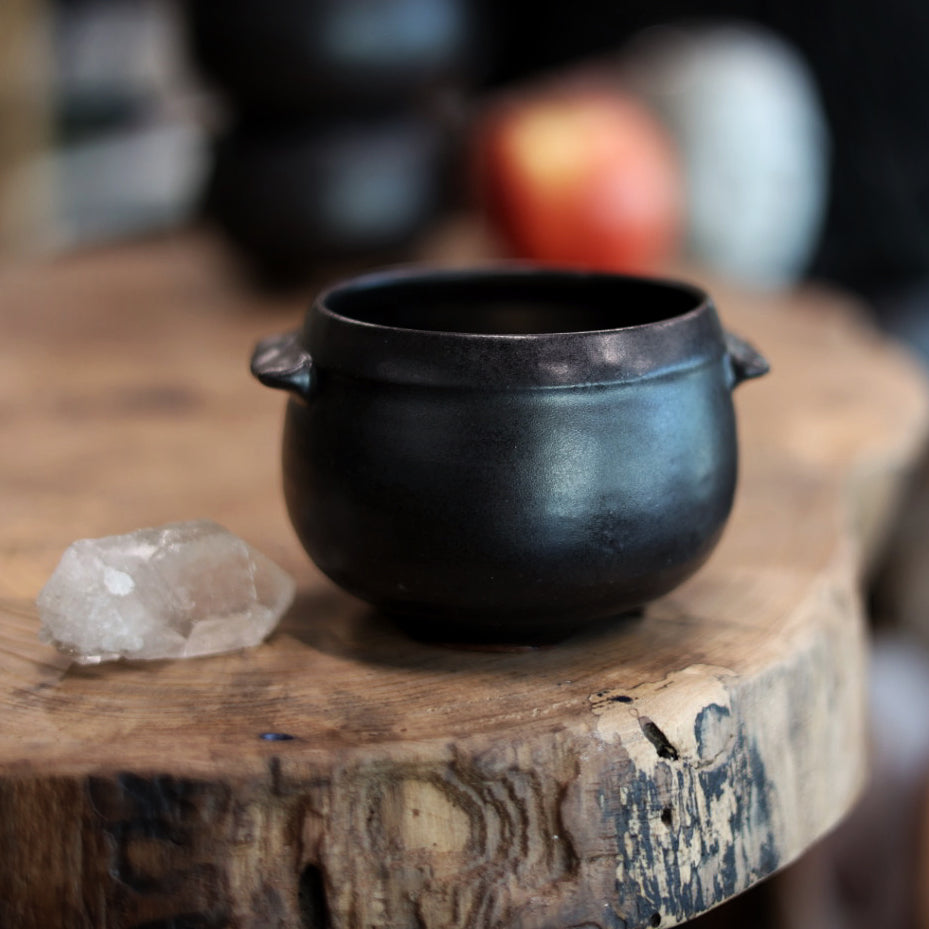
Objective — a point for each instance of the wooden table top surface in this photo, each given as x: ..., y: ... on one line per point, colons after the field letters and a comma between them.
x: 634, y: 775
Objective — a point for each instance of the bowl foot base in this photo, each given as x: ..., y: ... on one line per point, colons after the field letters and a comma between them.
x: 488, y: 636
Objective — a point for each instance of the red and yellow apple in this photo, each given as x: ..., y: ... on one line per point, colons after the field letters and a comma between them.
x: 581, y: 177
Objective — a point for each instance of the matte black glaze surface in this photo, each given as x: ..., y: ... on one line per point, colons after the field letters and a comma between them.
x: 507, y: 455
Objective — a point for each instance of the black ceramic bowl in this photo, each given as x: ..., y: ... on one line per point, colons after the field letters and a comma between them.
x: 505, y: 455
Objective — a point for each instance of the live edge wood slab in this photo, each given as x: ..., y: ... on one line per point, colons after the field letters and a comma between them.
x: 632, y: 776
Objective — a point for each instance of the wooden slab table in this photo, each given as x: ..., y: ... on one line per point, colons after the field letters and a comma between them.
x: 633, y: 776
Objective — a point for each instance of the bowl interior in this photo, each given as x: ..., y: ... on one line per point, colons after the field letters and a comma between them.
x: 511, y: 304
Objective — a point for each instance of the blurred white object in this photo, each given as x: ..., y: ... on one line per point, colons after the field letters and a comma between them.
x: 134, y: 150
x: 745, y: 112
x: 122, y: 183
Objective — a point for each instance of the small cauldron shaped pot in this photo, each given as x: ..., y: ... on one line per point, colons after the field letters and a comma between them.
x: 505, y: 455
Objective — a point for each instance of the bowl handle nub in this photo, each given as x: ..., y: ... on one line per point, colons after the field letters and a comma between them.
x: 744, y: 361
x: 281, y: 361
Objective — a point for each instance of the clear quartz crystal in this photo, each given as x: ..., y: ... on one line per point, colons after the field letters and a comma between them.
x: 176, y: 591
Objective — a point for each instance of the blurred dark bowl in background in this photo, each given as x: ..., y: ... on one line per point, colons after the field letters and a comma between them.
x: 298, y: 57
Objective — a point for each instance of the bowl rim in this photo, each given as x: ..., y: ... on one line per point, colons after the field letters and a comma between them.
x: 687, y: 337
